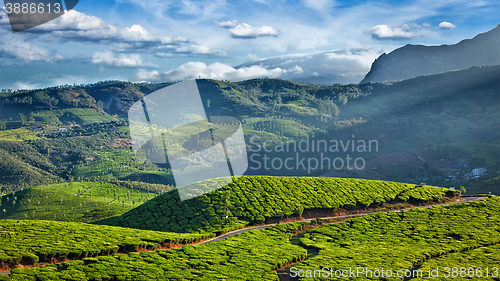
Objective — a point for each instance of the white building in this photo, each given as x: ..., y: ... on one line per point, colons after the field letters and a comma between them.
x: 477, y: 172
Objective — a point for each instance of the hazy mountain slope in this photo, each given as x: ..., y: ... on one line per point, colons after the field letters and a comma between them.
x: 415, y: 60
x: 427, y: 126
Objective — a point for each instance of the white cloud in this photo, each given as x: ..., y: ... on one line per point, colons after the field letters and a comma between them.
x: 446, y: 25
x: 4, y: 19
x: 123, y: 60
x: 246, y: 31
x: 251, y: 57
x: 50, y: 81
x: 25, y: 51
x: 383, y: 32
x: 218, y: 71
x: 25, y: 86
x: 318, y: 5
x: 198, y: 50
x: 227, y: 24
x: 79, y: 27
x: 72, y: 20
x: 16, y: 48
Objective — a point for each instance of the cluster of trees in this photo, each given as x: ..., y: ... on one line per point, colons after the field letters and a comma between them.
x: 327, y: 109
x: 36, y: 97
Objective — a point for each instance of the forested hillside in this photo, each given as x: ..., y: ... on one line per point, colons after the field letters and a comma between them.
x: 431, y: 129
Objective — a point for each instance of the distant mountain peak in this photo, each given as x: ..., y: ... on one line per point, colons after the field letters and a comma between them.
x: 414, y: 60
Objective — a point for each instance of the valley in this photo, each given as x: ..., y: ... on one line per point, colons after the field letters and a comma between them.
x: 400, y: 175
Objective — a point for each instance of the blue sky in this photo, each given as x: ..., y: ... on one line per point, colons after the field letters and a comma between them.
x: 159, y: 40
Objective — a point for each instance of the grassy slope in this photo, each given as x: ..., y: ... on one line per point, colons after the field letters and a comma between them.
x: 256, y: 198
x: 15, y: 172
x: 249, y: 256
x: 31, y: 241
x: 485, y: 185
x: 399, y: 241
x: 76, y: 115
x: 481, y: 263
x: 59, y: 202
x: 394, y: 241
x: 121, y: 164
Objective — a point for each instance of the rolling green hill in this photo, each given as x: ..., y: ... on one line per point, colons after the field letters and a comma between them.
x: 251, y: 256
x: 255, y: 199
x: 461, y: 236
x: 449, y: 233
x: 28, y: 242
x: 77, y: 201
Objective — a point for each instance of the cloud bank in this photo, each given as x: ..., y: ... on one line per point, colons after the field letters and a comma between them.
x: 79, y: 27
x: 217, y: 71
x: 338, y: 66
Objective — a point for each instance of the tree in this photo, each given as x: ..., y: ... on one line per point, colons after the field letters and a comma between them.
x: 463, y: 190
x: 23, y: 118
x: 3, y: 125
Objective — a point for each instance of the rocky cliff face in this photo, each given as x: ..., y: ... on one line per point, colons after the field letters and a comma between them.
x: 415, y: 60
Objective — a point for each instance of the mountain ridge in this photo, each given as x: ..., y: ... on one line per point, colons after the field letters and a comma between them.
x: 411, y: 61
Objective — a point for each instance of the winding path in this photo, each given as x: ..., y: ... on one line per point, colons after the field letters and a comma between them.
x: 246, y: 229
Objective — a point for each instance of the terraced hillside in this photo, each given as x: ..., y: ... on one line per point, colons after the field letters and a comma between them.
x: 255, y: 199
x: 77, y: 201
x: 462, y: 235
x: 28, y: 242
